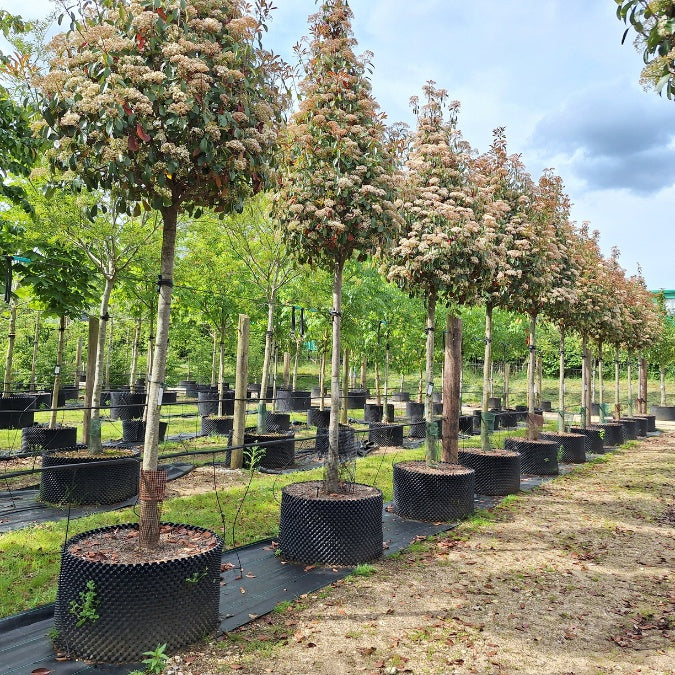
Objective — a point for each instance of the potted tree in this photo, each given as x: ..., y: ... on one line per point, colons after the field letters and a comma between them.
x: 336, y: 199
x: 430, y: 260
x: 169, y: 129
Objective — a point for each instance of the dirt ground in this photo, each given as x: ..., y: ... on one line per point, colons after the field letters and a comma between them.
x: 575, y: 577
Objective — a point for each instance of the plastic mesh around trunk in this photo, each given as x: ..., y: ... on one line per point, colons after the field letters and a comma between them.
x: 573, y: 446
x: 536, y: 457
x: 103, y: 479
x: 497, y: 473
x: 433, y: 496
x: 139, y: 606
x: 344, y: 530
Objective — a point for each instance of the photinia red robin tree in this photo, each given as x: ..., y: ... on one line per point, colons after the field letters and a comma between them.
x: 170, y: 106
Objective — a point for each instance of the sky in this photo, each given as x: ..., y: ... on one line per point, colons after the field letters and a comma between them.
x: 553, y: 73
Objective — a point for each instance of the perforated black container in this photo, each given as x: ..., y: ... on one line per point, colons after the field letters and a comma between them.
x: 536, y: 457
x: 356, y: 398
x: 593, y: 439
x: 212, y: 426
x: 630, y: 428
x: 613, y: 433
x: 133, y: 431
x: 346, y: 441
x: 386, y: 434
x: 278, y: 450
x: 39, y: 437
x: 651, y: 421
x: 400, y: 396
x: 439, y: 494
x: 497, y: 473
x: 414, y: 410
x: 293, y: 401
x: 207, y: 402
x: 508, y: 419
x: 17, y: 412
x: 102, y: 480
x: 573, y: 446
x: 139, y: 605
x: 126, y: 405
x: 665, y: 413
x: 641, y: 422
x: 318, y: 418
x: 320, y: 528
x: 277, y: 422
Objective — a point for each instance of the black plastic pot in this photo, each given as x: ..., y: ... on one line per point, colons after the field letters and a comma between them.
x: 466, y: 424
x: 207, y: 402
x: 641, y: 428
x: 133, y: 431
x: 507, y: 419
x: 593, y: 439
x: 44, y: 438
x: 497, y: 473
x: 401, y: 396
x: 212, y: 426
x: 651, y: 421
x: 536, y: 457
x: 126, y: 405
x: 386, y: 434
x: 613, y: 433
x: 630, y: 428
x: 346, y: 441
x: 664, y: 413
x: 168, y: 397
x: 437, y: 408
x: 103, y: 479
x: 356, y: 398
x: 495, y: 403
x: 17, y: 412
x: 139, y: 605
x: 277, y: 421
x: 333, y: 530
x: 190, y: 388
x: 372, y: 412
x: 478, y: 416
x: 278, y: 450
x: 546, y: 406
x: 440, y: 493
x: 293, y: 401
x: 414, y: 410
x: 573, y: 446
x: 318, y: 418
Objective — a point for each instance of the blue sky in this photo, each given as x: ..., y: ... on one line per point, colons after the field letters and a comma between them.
x: 553, y: 72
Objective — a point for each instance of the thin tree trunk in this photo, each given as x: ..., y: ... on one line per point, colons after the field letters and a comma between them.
x: 386, y: 383
x: 402, y: 383
x: 539, y: 396
x: 134, y: 354
x: 78, y: 364
x: 92, y: 342
x: 378, y: 397
x: 287, y: 369
x: 269, y: 341
x: 150, y: 506
x: 487, y: 373
x: 585, y: 378
x: 662, y: 376
x: 57, y: 376
x: 151, y: 336
x: 420, y: 387
x: 109, y: 355
x: 331, y: 467
x: 364, y: 372
x: 642, y: 386
x: 531, y: 372
x: 561, y: 383
x: 345, y: 387
x: 431, y: 437
x: 221, y: 369
x: 451, y: 389
x: 36, y: 342
x: 630, y: 384
x: 601, y: 378
x: 214, y: 360
x: 240, y: 387
x: 298, y: 344
x: 507, y: 373
x: 617, y: 383
x: 94, y: 439
x: 11, y: 337
x: 322, y: 381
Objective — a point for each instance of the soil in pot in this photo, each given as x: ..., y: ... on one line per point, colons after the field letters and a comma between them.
x: 497, y: 471
x: 572, y: 447
x: 108, y: 478
x: 331, y: 529
x: 113, y: 603
x: 441, y: 492
x: 538, y: 457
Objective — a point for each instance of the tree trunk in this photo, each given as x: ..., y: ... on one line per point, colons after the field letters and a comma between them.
x: 214, y: 360
x: 507, y: 373
x: 332, y: 464
x: 539, y: 395
x: 364, y: 372
x: 617, y: 383
x: 561, y: 383
x: 487, y: 373
x: 94, y: 439
x: 36, y: 342
x: 601, y: 378
x: 420, y: 387
x: 150, y: 507
x: 78, y: 363
x: 345, y: 387
x: 133, y: 368
x: 386, y: 383
x: 451, y: 389
x: 240, y: 386
x: 221, y: 368
x: 630, y: 383
x: 662, y: 376
x: 109, y: 355
x: 92, y: 342
x: 431, y: 431
x: 151, y: 336
x: 586, y: 381
x: 298, y: 344
x: 531, y: 372
x: 378, y: 397
x: 57, y: 375
x: 322, y: 381
x: 269, y: 341
x: 11, y: 337
x: 287, y: 369
x: 642, y: 386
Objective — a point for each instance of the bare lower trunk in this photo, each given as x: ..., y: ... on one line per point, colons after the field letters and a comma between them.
x: 214, y: 360
x: 538, y: 395
x: 345, y: 387
x: 36, y: 342
x: 221, y: 368
x: 630, y: 383
x: 432, y: 434
x: 531, y: 372
x: 78, y: 364
x: 487, y: 371
x: 287, y: 369
x: 92, y: 342
x: 269, y: 341
x: 451, y: 389
x: 151, y: 337
x: 364, y: 372
x: 322, y: 381
x: 386, y: 384
x: 662, y: 384
x: 57, y: 372
x: 617, y: 383
x: 150, y: 500
x: 11, y: 337
x: 586, y: 381
x: 134, y: 354
x: 94, y: 439
x: 561, y: 383
x: 642, y: 386
x: 601, y: 378
x: 298, y: 344
x: 378, y: 397
x: 507, y: 373
x: 332, y: 465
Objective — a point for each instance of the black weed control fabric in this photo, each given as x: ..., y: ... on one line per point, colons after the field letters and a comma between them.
x: 256, y: 581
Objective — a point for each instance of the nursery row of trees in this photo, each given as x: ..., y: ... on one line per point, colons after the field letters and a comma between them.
x: 160, y: 123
